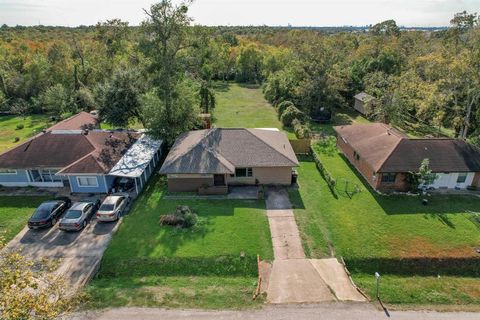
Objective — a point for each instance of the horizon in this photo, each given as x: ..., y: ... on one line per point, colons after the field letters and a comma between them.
x: 234, y: 13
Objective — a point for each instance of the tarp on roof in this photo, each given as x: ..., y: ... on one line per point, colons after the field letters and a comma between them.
x: 136, y: 159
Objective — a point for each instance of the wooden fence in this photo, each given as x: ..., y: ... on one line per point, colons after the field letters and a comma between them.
x: 301, y: 146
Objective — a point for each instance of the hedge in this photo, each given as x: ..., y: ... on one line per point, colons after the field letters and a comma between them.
x: 282, y: 106
x: 301, y: 131
x: 331, y: 182
x: 290, y: 114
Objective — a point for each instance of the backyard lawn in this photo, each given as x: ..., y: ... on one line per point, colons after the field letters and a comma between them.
x: 9, y: 131
x: 426, y: 254
x: 243, y: 106
x: 14, y: 213
x: 211, y: 265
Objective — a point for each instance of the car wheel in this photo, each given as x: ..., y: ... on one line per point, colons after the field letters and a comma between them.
x: 84, y: 224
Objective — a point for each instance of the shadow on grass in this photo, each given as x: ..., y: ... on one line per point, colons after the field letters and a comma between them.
x: 466, y: 266
x: 221, y: 86
x: 249, y: 85
x: 438, y: 206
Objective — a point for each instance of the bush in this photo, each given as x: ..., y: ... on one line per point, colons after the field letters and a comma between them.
x: 20, y: 126
x: 301, y: 131
x: 282, y: 106
x: 290, y: 114
x: 331, y: 182
x: 183, y: 217
x: 16, y: 139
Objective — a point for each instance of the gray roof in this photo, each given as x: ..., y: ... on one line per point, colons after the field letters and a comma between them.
x: 222, y: 150
x: 363, y: 96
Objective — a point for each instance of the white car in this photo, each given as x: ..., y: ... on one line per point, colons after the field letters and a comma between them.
x: 112, y: 207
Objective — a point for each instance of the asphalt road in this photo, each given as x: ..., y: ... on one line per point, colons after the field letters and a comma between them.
x: 330, y: 311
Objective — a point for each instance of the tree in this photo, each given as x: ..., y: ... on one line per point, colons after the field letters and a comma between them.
x: 249, y: 64
x: 57, y: 100
x: 119, y: 98
x: 165, y: 36
x: 425, y: 175
x: 387, y: 27
x: 207, y: 97
x: 112, y: 34
x: 30, y: 289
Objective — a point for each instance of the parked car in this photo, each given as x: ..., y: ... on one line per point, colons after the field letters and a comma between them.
x: 48, y: 213
x: 112, y: 207
x: 78, y: 215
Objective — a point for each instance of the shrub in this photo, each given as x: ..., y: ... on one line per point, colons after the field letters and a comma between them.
x: 183, y: 217
x: 20, y: 126
x: 301, y: 131
x: 16, y: 139
x: 282, y: 106
x: 327, y: 145
x: 331, y: 182
x: 290, y: 114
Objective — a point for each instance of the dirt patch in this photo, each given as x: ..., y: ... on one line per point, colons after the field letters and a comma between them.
x: 420, y: 247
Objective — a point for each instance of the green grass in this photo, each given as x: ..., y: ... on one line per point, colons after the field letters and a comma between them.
x: 14, y: 213
x: 198, y: 267
x: 8, y: 129
x: 394, y: 235
x: 243, y: 106
x: 341, y: 117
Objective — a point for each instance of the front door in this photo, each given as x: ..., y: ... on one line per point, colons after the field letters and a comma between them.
x: 219, y: 179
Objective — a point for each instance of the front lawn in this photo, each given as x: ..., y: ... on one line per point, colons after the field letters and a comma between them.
x: 211, y: 265
x: 10, y: 128
x: 244, y: 106
x: 14, y: 213
x: 426, y: 254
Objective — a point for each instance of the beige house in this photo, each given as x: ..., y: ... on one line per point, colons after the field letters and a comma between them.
x: 213, y: 159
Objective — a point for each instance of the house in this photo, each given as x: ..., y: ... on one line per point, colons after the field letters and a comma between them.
x: 384, y: 156
x: 81, y: 121
x: 86, y: 161
x: 361, y: 100
x: 217, y: 158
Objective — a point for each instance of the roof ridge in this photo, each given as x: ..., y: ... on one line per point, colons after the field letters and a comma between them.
x: 65, y: 120
x: 391, y: 152
x: 258, y: 138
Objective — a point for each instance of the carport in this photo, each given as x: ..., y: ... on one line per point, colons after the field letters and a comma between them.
x: 139, y: 162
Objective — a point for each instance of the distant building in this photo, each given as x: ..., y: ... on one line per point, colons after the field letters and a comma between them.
x: 360, y: 102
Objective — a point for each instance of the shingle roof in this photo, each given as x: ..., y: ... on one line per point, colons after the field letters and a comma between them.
x: 373, y: 142
x: 80, y: 121
x: 388, y: 150
x: 95, y: 152
x: 363, y: 96
x: 445, y: 155
x: 221, y: 150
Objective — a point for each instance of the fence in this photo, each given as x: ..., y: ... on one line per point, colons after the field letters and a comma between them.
x: 301, y: 146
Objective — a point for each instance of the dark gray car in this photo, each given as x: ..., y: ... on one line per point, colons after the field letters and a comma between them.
x: 78, y: 215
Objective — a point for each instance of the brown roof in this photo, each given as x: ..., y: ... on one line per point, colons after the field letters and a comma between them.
x: 222, y: 150
x: 373, y: 142
x: 80, y: 121
x: 95, y: 152
x: 388, y: 150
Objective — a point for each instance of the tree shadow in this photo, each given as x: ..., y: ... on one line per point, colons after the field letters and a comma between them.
x: 249, y: 85
x: 221, y: 86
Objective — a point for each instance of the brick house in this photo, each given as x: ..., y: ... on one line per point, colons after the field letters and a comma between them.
x: 384, y: 157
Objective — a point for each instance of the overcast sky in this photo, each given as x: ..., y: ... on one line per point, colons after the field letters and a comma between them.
x: 241, y: 12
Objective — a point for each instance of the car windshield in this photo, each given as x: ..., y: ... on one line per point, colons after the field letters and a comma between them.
x: 43, y: 211
x: 107, y: 207
x: 73, y: 214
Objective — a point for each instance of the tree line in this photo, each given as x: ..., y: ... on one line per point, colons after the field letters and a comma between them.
x: 162, y: 73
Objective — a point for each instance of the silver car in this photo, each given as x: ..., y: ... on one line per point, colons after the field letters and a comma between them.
x: 78, y: 215
x: 112, y: 207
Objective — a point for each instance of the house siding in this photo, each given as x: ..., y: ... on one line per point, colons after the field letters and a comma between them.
x: 75, y: 188
x: 188, y: 184
x: 18, y: 179
x: 400, y: 183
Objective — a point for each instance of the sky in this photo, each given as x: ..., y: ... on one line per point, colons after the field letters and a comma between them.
x: 241, y: 12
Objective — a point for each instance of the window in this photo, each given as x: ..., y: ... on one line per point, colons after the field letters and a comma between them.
x: 389, y: 177
x: 87, y: 181
x: 356, y: 155
x: 8, y: 171
x: 243, y: 172
x: 462, y: 177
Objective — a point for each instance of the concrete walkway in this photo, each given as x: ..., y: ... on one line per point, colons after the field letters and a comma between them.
x: 295, y: 279
x: 330, y: 311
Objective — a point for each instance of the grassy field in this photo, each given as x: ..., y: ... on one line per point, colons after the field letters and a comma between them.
x: 14, y: 213
x: 212, y: 265
x: 243, y: 106
x: 8, y: 129
x: 426, y: 254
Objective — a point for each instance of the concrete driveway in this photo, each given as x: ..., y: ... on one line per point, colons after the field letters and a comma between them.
x: 293, y: 278
x: 79, y: 253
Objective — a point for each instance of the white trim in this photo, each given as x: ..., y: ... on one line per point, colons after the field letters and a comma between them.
x: 136, y: 186
x: 105, y: 182
x: 14, y: 172
x: 89, y: 186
